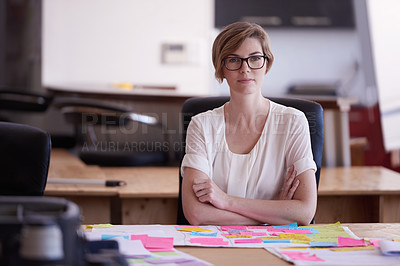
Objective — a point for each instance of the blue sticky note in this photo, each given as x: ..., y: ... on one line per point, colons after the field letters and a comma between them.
x: 106, y: 237
x: 203, y: 234
x: 312, y: 230
x: 276, y: 240
x: 292, y: 225
x: 323, y: 244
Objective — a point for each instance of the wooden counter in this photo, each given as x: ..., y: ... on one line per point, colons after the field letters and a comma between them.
x: 358, y: 194
x: 346, y: 194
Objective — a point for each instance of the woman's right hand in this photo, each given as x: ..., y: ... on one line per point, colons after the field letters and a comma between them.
x: 290, y: 185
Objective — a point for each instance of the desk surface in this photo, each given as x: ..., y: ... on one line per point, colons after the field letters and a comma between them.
x: 252, y: 256
x: 359, y: 180
x: 346, y: 194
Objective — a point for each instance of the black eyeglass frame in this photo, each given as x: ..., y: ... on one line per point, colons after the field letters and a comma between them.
x: 247, y: 61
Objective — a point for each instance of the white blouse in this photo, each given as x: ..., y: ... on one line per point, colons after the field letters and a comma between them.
x: 284, y: 141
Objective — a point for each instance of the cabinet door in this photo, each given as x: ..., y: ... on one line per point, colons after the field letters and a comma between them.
x: 286, y: 13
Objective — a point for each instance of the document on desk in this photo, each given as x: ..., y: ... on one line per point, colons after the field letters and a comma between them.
x: 144, y: 249
x: 234, y: 236
x: 327, y: 244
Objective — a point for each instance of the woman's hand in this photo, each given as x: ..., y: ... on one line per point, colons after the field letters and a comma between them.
x: 290, y: 185
x: 207, y: 191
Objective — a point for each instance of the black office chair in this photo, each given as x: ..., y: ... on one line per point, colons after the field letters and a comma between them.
x: 17, y: 100
x: 312, y: 110
x: 109, y: 135
x: 24, y: 159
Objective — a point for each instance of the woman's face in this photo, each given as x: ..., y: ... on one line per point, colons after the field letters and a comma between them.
x: 246, y: 80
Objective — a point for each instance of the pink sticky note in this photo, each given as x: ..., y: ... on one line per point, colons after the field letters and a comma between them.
x: 277, y: 230
x: 298, y: 231
x: 263, y: 227
x: 375, y: 242
x: 350, y: 242
x: 248, y: 240
x: 254, y: 233
x: 159, y: 242
x: 237, y: 227
x: 304, y: 256
x: 290, y: 253
x: 209, y: 241
x: 159, y: 250
x: 142, y: 238
x: 183, y: 226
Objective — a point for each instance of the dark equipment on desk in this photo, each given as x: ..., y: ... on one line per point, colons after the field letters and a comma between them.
x: 46, y: 231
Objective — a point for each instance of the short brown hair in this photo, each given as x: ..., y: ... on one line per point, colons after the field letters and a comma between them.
x: 230, y: 39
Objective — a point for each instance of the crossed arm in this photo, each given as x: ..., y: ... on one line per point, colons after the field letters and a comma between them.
x: 205, y: 203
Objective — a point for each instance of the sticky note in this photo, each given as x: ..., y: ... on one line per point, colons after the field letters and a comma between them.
x: 277, y: 240
x: 209, y: 241
x: 286, y: 226
x: 99, y: 225
x: 236, y: 231
x: 298, y: 231
x: 254, y: 233
x: 323, y: 244
x: 238, y: 236
x: 248, y: 240
x: 350, y: 242
x: 304, y: 256
x: 203, y: 234
x: 193, y: 228
x: 159, y: 242
x: 375, y: 242
x: 237, y: 227
x: 106, y: 237
x: 295, y: 237
x: 351, y: 248
x: 155, y: 243
x: 262, y: 227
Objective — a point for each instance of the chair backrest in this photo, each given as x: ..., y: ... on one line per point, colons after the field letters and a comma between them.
x: 17, y: 100
x: 24, y: 159
x: 312, y: 110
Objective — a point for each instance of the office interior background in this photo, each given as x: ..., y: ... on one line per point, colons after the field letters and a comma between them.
x: 97, y: 43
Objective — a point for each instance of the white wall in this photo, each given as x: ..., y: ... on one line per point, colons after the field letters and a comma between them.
x: 383, y: 19
x: 313, y: 56
x: 102, y: 41
x: 106, y: 42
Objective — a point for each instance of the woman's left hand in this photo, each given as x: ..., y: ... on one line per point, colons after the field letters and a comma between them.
x: 207, y: 191
x: 290, y: 185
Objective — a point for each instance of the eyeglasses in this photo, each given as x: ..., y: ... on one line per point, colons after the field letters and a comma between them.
x: 233, y: 63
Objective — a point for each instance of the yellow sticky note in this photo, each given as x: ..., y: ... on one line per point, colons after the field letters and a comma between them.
x: 299, y: 241
x: 327, y: 232
x: 294, y: 237
x: 352, y: 248
x: 238, y: 236
x: 99, y: 225
x: 193, y: 228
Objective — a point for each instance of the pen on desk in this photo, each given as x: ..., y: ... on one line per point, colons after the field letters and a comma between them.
x: 107, y: 183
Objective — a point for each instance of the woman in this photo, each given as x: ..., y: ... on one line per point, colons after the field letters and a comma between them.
x: 250, y: 160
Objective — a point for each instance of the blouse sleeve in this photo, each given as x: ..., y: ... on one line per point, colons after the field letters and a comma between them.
x: 298, y: 146
x: 196, y: 151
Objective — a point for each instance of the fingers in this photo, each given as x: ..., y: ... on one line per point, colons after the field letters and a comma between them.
x: 290, y: 185
x: 293, y: 189
x: 201, y: 188
x: 290, y: 177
